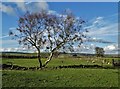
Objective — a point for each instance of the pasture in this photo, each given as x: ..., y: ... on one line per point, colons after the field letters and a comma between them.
x: 61, y: 77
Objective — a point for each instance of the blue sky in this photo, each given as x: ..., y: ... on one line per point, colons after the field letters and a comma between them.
x: 101, y: 20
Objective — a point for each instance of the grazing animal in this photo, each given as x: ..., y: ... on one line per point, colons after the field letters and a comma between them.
x: 114, y: 63
x: 93, y: 61
x: 108, y: 63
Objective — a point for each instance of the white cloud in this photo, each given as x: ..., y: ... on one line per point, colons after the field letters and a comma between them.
x: 85, y: 48
x: 37, y: 6
x: 96, y: 40
x: 111, y: 29
x: 12, y: 28
x: 98, y: 20
x: 43, y: 5
x: 21, y: 5
x: 5, y: 49
x: 7, y: 9
x: 8, y: 49
x: 113, y: 48
x: 103, y: 26
x: 4, y: 36
x: 18, y: 49
x: 110, y: 47
x: 90, y: 48
x: 23, y: 0
x: 13, y: 1
x: 8, y: 42
x: 52, y: 12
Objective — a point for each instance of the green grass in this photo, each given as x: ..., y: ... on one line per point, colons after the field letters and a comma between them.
x: 61, y: 78
x: 59, y: 61
x: 69, y: 77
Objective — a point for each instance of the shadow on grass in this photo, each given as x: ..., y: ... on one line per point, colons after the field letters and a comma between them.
x: 16, y: 67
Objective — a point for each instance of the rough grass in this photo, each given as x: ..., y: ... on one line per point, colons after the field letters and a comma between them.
x: 69, y: 77
x: 61, y: 78
x: 60, y: 61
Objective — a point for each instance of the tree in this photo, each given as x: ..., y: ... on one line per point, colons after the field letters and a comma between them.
x: 99, y: 52
x: 50, y: 32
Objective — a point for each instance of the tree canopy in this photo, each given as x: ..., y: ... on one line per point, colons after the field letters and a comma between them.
x: 99, y: 52
x: 50, y: 32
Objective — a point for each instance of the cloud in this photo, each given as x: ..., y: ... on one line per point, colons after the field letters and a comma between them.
x: 11, y: 49
x: 85, y: 48
x: 37, y: 6
x: 17, y: 49
x: 97, y: 20
x: 22, y: 1
x: 111, y: 29
x: 4, y: 36
x: 113, y: 49
x: 110, y: 47
x: 103, y: 26
x: 104, y: 30
x: 43, y: 5
x: 8, y: 42
x: 22, y: 6
x: 7, y: 9
x: 12, y: 28
x: 13, y: 0
x: 90, y: 49
x: 97, y: 40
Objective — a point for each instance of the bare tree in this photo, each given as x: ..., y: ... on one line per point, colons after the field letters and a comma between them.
x: 50, y: 32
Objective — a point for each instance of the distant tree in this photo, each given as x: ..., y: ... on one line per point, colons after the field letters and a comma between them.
x: 56, y: 54
x: 49, y: 32
x: 99, y: 52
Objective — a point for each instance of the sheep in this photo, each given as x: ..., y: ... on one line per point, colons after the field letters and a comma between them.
x: 115, y: 63
x: 93, y: 61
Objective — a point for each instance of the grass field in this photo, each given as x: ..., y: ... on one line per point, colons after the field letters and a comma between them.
x: 61, y: 78
x: 66, y: 77
x: 60, y: 61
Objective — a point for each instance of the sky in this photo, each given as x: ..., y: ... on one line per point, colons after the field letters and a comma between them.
x: 101, y: 18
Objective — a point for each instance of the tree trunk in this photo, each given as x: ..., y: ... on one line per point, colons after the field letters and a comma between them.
x: 39, y: 59
x: 49, y: 59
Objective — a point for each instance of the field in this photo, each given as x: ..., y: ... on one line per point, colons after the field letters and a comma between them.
x: 105, y: 76
x: 61, y: 78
